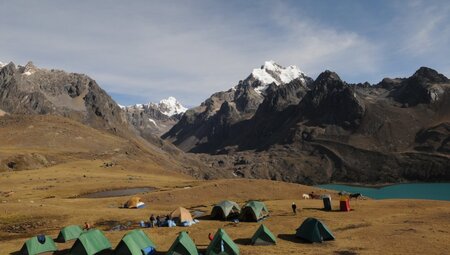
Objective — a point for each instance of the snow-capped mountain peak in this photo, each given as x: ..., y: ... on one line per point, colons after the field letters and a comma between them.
x: 171, y: 106
x: 29, y: 68
x: 156, y: 118
x: 272, y: 72
x: 2, y: 64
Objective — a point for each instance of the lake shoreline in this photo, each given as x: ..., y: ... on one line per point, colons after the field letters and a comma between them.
x: 375, y: 185
x: 427, y: 191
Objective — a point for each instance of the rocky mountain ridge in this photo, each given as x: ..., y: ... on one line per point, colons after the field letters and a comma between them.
x: 326, y: 130
x: 293, y: 129
x: 28, y: 90
x: 155, y: 118
x: 210, y: 121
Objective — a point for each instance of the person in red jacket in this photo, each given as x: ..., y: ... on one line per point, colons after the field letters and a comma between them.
x: 87, y: 226
x: 210, y: 237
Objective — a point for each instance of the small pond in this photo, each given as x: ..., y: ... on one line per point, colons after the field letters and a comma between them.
x: 117, y: 192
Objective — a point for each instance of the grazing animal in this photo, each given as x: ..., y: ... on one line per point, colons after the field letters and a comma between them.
x: 306, y: 196
x: 356, y: 195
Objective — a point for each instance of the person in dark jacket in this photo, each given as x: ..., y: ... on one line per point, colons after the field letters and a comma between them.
x: 158, y: 221
x: 294, y: 208
x: 152, y: 221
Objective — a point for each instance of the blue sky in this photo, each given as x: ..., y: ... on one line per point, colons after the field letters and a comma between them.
x: 148, y: 50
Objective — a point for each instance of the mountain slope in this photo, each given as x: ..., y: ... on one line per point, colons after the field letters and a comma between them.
x: 333, y: 131
x: 28, y: 90
x: 206, y: 127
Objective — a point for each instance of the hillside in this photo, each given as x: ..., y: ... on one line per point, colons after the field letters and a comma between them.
x: 40, y: 141
x: 31, y: 90
x: 29, y: 93
x: 327, y: 130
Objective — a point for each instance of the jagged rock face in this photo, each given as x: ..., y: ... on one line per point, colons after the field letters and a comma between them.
x: 209, y: 126
x: 149, y: 119
x: 280, y: 97
x: 30, y: 90
x: 329, y: 131
x: 246, y: 98
x: 389, y: 84
x: 333, y: 102
x: 424, y: 87
x: 434, y: 139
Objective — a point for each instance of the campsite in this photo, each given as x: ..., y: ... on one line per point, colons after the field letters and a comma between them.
x: 35, y: 207
x: 224, y: 127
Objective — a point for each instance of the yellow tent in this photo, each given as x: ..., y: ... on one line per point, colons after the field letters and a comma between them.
x: 134, y: 202
x: 181, y: 214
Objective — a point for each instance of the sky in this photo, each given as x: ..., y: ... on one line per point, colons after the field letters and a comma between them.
x: 144, y: 51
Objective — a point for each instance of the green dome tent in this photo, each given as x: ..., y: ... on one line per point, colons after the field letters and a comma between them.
x: 222, y: 244
x: 183, y: 245
x: 225, y: 209
x: 38, y: 245
x: 263, y: 236
x: 314, y: 231
x: 90, y: 242
x: 135, y: 242
x: 69, y: 233
x: 254, y: 211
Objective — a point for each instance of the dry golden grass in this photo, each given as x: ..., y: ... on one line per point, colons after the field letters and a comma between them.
x: 373, y: 227
x: 44, y: 200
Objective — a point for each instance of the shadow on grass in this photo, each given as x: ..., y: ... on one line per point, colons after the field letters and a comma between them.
x: 323, y: 210
x: 291, y: 238
x: 205, y: 217
x: 243, y: 241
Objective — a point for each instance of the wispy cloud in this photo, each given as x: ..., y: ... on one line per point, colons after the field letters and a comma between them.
x: 190, y: 49
x: 316, y: 46
x: 425, y: 27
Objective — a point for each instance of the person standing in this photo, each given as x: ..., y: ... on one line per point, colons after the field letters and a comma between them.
x: 294, y: 208
x: 152, y: 221
x: 158, y: 221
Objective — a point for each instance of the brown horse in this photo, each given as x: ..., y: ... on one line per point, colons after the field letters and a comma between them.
x: 355, y: 195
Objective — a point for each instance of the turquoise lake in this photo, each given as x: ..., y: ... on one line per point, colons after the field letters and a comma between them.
x: 431, y: 191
